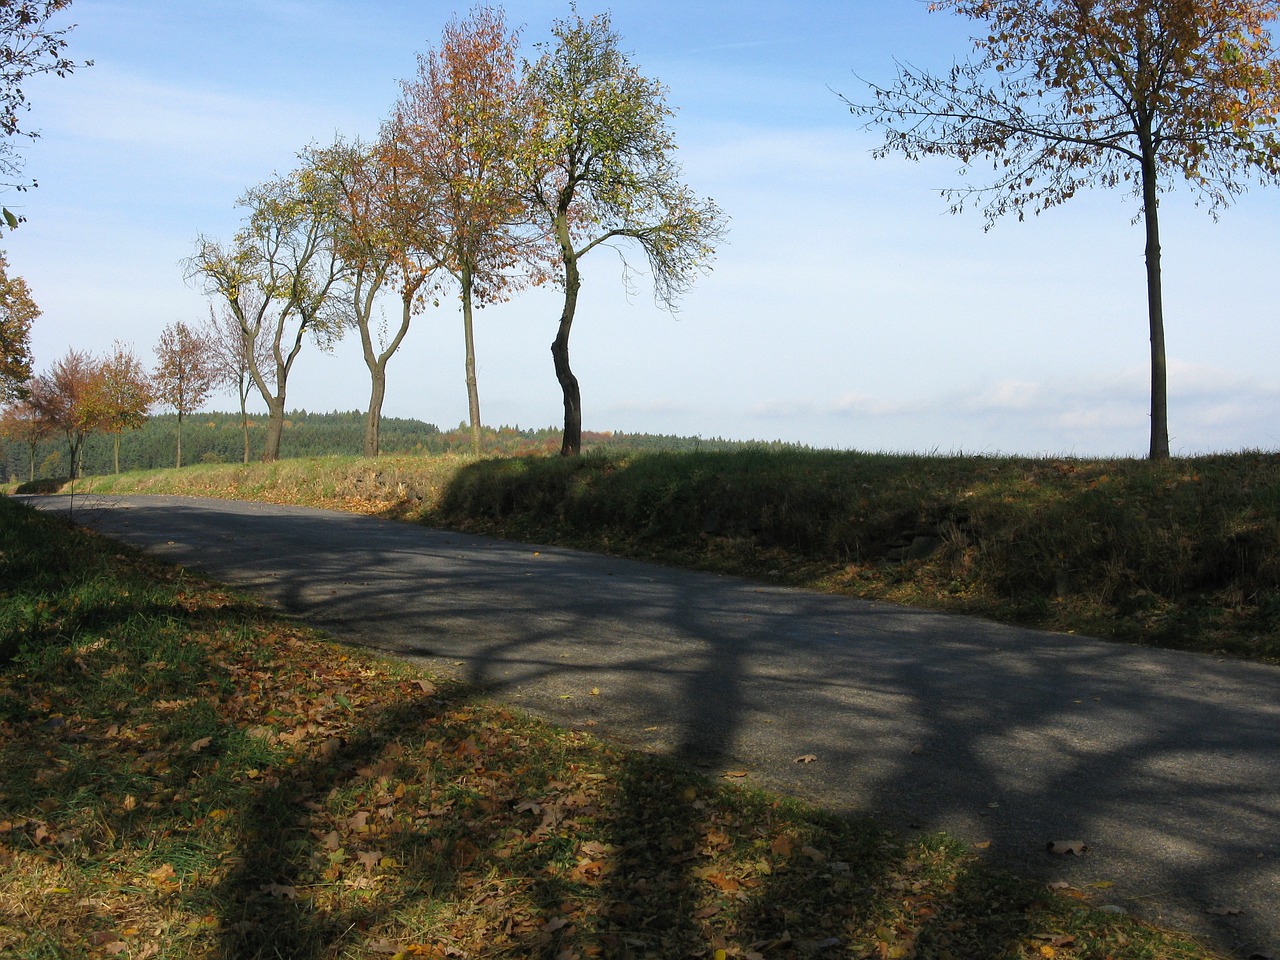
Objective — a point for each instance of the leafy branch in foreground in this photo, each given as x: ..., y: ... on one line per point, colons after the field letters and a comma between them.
x: 1066, y: 94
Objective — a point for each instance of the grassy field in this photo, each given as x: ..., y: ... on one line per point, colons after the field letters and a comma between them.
x: 1184, y: 553
x: 186, y: 775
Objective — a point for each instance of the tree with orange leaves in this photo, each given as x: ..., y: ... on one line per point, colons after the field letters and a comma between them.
x: 119, y: 395
x: 61, y: 399
x: 1066, y: 94
x: 451, y: 144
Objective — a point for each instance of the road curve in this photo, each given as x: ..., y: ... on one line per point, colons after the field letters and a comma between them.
x: 1166, y: 764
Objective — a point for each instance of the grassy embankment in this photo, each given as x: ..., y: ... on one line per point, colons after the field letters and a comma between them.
x: 1183, y: 554
x: 186, y: 775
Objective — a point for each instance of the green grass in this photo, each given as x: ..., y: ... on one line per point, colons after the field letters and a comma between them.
x: 186, y: 775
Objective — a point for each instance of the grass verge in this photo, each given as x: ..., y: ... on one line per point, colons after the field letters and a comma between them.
x: 186, y: 775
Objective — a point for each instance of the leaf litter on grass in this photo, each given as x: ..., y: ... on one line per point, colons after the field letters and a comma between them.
x: 198, y: 779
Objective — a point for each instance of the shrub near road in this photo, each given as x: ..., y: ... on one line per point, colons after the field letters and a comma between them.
x: 1181, y: 553
x: 186, y: 775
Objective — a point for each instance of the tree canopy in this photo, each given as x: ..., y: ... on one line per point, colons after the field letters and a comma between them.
x: 453, y: 140
x: 600, y: 167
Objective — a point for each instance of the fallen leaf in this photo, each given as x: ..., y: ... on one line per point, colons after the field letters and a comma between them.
x: 1225, y: 911
x: 807, y: 758
x: 1063, y: 847
x: 554, y: 924
x: 200, y: 744
x: 280, y: 890
x: 982, y: 845
x: 783, y: 845
x: 734, y: 774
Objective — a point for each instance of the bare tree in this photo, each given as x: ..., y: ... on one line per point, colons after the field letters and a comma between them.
x: 234, y: 356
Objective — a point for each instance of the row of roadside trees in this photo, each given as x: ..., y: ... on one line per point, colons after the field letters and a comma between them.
x: 82, y: 394
x: 491, y: 172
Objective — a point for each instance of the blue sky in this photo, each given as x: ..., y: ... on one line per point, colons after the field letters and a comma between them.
x: 847, y: 308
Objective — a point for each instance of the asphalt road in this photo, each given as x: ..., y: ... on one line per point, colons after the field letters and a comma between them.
x: 1167, y: 765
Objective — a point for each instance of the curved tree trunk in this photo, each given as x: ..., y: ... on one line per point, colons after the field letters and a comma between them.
x: 377, y: 364
x: 571, y: 443
x: 1155, y: 307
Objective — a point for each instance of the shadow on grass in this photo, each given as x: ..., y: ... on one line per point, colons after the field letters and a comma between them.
x: 700, y: 658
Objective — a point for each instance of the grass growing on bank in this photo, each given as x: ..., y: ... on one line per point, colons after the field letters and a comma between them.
x: 186, y: 775
x: 1183, y: 553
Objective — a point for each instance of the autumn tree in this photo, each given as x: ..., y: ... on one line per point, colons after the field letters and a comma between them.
x: 377, y: 220
x: 61, y: 399
x: 452, y: 142
x: 119, y: 395
x: 185, y: 372
x: 600, y: 171
x: 276, y: 277
x: 17, y: 311
x: 1067, y: 94
x: 234, y: 355
x: 21, y: 422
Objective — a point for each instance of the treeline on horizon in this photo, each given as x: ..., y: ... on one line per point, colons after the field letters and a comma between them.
x: 219, y: 438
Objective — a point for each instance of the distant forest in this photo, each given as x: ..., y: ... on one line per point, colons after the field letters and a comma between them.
x: 217, y: 438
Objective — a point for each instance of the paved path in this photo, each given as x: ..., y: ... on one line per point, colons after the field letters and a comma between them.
x: 1166, y: 764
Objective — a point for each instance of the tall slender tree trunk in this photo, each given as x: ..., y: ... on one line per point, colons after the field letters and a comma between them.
x: 473, y: 393
x: 116, y: 437
x: 571, y: 443
x: 373, y: 419
x: 1155, y: 306
x: 179, y: 437
x: 244, y: 416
